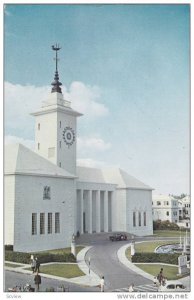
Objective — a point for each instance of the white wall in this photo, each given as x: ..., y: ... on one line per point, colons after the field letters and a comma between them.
x: 139, y: 201
x: 29, y: 199
x: 9, y: 206
x: 119, y: 210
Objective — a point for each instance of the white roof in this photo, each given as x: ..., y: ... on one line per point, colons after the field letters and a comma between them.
x: 21, y: 160
x: 111, y: 176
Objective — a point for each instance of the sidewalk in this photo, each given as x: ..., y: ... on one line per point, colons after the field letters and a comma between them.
x: 124, y: 260
x: 90, y: 279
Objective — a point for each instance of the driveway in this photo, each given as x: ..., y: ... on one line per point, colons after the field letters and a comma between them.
x: 104, y: 262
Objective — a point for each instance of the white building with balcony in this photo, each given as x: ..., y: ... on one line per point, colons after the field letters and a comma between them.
x: 165, y: 208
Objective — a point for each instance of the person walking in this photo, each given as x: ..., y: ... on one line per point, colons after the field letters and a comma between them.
x: 33, y: 265
x: 37, y: 281
x: 160, y: 276
x: 37, y: 268
x: 102, y: 284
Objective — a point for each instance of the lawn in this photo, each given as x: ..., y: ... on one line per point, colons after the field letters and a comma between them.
x: 147, y: 247
x: 170, y: 272
x: 64, y: 250
x: 151, y: 246
x: 12, y: 265
x: 62, y: 270
x: 169, y: 233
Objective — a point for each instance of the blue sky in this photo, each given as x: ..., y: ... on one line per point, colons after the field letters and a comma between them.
x: 126, y: 67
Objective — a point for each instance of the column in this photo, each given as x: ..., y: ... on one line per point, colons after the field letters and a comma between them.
x: 81, y: 210
x: 90, y: 210
x: 106, y: 211
x: 98, y: 211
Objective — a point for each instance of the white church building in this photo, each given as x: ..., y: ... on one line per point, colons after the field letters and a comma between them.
x: 48, y: 197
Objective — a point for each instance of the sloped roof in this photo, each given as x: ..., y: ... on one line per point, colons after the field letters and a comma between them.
x: 111, y: 176
x: 123, y: 179
x: 21, y: 160
x: 86, y: 174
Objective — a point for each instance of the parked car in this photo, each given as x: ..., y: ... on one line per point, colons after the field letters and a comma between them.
x: 172, y: 286
x: 118, y: 237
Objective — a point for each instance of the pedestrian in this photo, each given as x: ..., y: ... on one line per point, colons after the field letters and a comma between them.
x: 37, y: 268
x: 102, y: 284
x: 33, y: 265
x: 131, y: 288
x: 160, y: 276
x: 155, y: 280
x: 37, y: 281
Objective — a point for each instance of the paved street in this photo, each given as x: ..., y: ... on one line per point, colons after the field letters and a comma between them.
x: 104, y: 262
x: 12, y: 279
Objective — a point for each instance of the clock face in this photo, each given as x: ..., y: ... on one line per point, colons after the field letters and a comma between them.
x: 68, y: 136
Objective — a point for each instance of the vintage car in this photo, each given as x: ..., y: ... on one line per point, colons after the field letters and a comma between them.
x: 172, y: 286
x: 118, y: 237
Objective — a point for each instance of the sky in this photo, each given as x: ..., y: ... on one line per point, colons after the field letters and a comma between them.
x: 125, y: 67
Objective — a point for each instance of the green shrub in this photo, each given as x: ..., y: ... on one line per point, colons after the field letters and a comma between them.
x: 164, y: 225
x: 9, y: 247
x: 148, y: 257
x: 43, y: 257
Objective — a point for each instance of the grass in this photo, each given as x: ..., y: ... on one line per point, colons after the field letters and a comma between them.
x: 169, y: 233
x: 170, y: 272
x: 12, y: 265
x: 64, y: 250
x: 147, y: 247
x: 62, y: 270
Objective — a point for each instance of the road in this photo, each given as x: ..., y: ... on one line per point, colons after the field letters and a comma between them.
x: 12, y: 279
x: 104, y: 262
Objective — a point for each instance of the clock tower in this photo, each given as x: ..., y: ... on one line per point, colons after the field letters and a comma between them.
x: 56, y: 127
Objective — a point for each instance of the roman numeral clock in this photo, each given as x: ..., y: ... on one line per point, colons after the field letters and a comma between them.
x: 68, y: 136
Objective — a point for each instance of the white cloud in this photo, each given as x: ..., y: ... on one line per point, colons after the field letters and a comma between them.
x: 10, y: 139
x: 20, y: 101
x: 84, y: 98
x: 92, y: 144
x: 91, y: 163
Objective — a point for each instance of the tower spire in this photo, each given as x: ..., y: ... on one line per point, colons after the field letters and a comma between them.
x: 56, y: 83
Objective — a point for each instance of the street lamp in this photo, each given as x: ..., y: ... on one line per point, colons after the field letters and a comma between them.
x: 89, y: 260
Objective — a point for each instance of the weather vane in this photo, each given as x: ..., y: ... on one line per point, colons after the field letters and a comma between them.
x: 56, y: 83
x: 56, y: 48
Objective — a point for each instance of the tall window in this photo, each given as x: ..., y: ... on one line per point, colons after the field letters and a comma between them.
x: 38, y: 146
x: 49, y: 223
x: 60, y: 144
x: 57, y: 223
x: 167, y: 213
x: 60, y: 124
x: 38, y: 126
x: 144, y: 218
x: 134, y: 219
x: 139, y: 218
x: 34, y: 223
x: 42, y: 223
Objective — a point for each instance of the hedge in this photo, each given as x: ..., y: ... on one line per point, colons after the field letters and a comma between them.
x: 22, y: 257
x: 148, y: 257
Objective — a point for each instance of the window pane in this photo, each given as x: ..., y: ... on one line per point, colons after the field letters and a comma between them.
x: 134, y: 219
x: 144, y: 218
x: 57, y: 223
x: 49, y: 222
x: 34, y: 224
x: 139, y: 218
x: 42, y: 223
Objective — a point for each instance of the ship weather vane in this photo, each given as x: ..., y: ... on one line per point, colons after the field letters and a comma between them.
x: 56, y: 83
